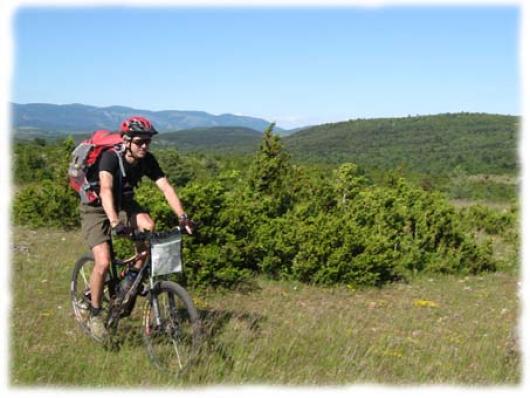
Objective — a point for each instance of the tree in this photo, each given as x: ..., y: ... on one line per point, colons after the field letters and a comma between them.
x: 348, y: 181
x: 270, y: 166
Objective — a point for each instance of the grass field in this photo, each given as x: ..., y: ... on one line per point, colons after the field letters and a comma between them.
x: 445, y: 329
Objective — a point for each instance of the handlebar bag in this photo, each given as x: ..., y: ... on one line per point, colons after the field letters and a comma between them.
x: 165, y: 255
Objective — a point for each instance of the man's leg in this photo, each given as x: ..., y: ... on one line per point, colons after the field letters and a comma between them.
x: 102, y: 260
x: 143, y: 222
x: 101, y: 253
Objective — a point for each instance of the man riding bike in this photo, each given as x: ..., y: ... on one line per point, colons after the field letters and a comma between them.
x: 116, y: 211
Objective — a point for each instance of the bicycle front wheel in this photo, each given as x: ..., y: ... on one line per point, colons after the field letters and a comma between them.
x: 80, y: 291
x: 171, y: 327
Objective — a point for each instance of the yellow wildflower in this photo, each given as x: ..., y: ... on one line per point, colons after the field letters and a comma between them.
x: 425, y: 303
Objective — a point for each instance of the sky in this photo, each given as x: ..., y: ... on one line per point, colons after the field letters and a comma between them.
x: 294, y: 65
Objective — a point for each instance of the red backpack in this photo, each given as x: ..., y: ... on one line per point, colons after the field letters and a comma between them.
x: 86, y: 155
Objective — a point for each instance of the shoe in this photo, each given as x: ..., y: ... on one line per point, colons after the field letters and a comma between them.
x: 97, y: 327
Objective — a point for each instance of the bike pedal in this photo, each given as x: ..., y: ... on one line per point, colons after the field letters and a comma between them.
x: 143, y: 291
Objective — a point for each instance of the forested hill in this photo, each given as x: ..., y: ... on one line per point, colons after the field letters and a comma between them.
x: 477, y: 143
x: 213, y: 139
x: 56, y: 120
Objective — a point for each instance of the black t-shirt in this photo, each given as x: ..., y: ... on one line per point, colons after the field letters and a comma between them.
x: 147, y: 166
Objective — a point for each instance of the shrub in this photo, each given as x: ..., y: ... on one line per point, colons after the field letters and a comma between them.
x: 293, y: 223
x: 46, y: 204
x: 491, y: 221
x: 384, y: 234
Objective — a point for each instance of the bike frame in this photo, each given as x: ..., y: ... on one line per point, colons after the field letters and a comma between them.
x: 117, y: 307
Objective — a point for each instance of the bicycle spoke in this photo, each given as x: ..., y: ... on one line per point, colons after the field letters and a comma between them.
x: 171, y: 340
x: 178, y: 354
x: 86, y: 280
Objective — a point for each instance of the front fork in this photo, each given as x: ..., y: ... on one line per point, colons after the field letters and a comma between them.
x: 153, y: 297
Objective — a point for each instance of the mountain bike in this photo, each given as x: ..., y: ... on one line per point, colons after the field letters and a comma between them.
x: 171, y: 325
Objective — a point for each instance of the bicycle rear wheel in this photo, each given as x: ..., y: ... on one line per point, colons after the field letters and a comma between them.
x: 80, y: 291
x: 172, y: 337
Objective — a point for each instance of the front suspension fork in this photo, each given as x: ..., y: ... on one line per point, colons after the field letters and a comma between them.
x: 154, y: 302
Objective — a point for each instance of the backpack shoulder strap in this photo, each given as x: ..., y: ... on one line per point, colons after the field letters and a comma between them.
x: 121, y: 175
x: 119, y: 153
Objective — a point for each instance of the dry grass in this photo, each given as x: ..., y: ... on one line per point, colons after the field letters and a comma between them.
x: 499, y: 179
x: 463, y: 203
x: 443, y: 329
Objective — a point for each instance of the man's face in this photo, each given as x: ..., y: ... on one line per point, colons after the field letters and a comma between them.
x: 140, y: 146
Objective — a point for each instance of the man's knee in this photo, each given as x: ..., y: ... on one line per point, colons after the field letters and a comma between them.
x: 145, y: 222
x: 102, y: 259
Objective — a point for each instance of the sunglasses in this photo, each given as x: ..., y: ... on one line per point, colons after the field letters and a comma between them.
x: 142, y: 141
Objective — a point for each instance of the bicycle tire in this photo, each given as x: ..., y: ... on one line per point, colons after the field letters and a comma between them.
x: 173, y: 345
x: 80, y: 290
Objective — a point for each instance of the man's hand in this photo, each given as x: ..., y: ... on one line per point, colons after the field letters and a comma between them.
x: 120, y: 230
x: 185, y: 224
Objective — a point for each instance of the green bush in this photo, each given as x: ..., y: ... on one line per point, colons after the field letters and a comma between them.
x: 381, y: 234
x: 46, y: 204
x: 178, y: 170
x: 491, y: 221
x: 44, y: 198
x: 289, y: 222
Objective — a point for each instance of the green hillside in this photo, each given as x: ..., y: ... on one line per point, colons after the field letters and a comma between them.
x: 472, y: 143
x: 212, y: 139
x: 476, y: 143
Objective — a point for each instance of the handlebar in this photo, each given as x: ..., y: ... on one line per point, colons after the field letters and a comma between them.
x: 148, y: 235
x: 136, y: 235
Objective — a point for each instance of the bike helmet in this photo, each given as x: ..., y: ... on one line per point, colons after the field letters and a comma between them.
x: 137, y: 125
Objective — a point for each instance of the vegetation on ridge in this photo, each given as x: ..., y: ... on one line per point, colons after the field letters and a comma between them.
x: 475, y: 142
x: 288, y: 222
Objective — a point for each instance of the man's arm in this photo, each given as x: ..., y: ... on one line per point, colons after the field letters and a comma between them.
x: 171, y: 196
x: 107, y: 199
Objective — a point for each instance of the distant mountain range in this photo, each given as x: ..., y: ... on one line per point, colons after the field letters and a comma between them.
x: 51, y: 119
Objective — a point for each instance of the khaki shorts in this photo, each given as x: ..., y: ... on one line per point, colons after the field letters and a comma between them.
x: 95, y: 226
